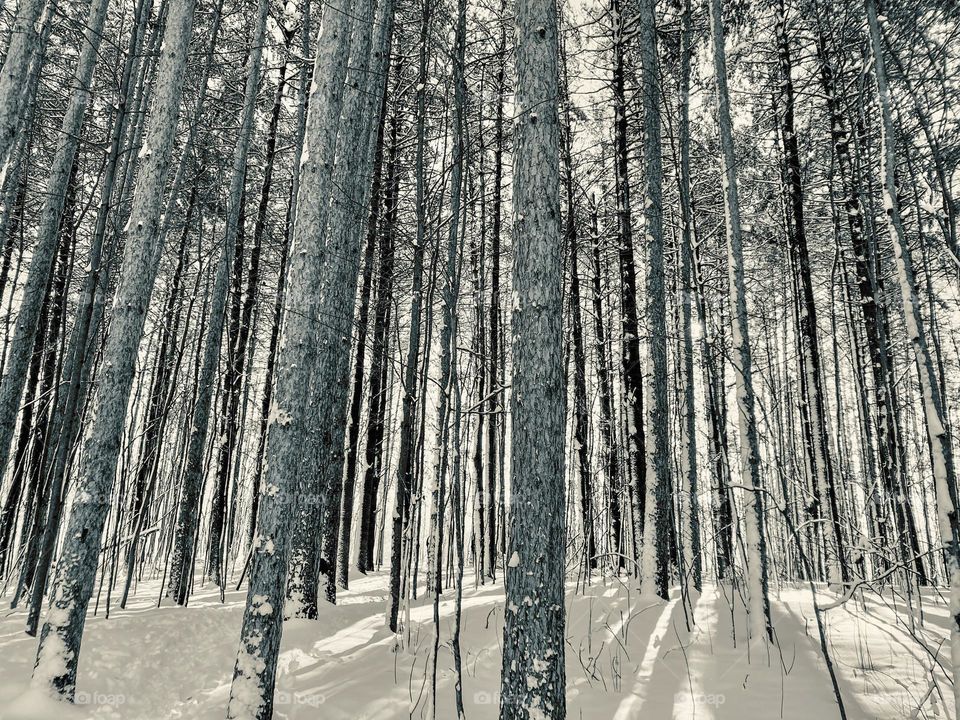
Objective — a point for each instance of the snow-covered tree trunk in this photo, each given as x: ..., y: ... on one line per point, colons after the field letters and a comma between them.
x: 811, y: 366
x: 289, y: 425
x: 533, y: 675
x: 405, y: 486
x: 181, y: 568
x: 657, y: 522
x: 314, y: 550
x: 758, y: 603
x: 59, y: 650
x: 24, y: 46
x: 944, y: 475
x: 632, y: 394
x: 303, y: 91
x: 245, y: 344
x: 45, y: 248
x: 366, y: 86
x: 688, y: 442
x: 267, y: 400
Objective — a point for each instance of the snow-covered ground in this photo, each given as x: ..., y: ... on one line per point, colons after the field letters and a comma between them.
x: 627, y: 657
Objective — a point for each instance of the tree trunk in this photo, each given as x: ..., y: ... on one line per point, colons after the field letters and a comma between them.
x: 379, y: 364
x: 289, y: 424
x: 580, y: 410
x: 630, y: 352
x: 533, y: 673
x: 758, y: 602
x: 608, y: 432
x: 363, y: 326
x: 348, y: 213
x: 230, y: 398
x: 57, y: 657
x: 181, y: 567
x: 306, y: 73
x: 657, y: 520
x: 24, y: 46
x: 448, y: 332
x: 58, y: 181
x: 933, y: 413
x: 496, y: 404
x: 688, y: 449
x: 402, y: 515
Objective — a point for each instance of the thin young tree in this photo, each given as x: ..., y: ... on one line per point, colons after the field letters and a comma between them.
x: 448, y: 332
x: 758, y: 603
x: 405, y: 462
x: 688, y: 450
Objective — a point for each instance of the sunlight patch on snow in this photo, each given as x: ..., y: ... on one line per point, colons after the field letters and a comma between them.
x: 631, y: 705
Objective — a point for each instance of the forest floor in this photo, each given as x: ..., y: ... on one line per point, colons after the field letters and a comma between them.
x: 627, y: 657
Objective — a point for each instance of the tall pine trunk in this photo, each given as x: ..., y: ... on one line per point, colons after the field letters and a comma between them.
x: 58, y: 181
x: 630, y: 351
x: 657, y: 521
x: 405, y: 462
x: 580, y: 409
x: 374, y: 450
x: 496, y: 404
x: 290, y: 424
x: 758, y: 602
x: 348, y: 214
x: 533, y: 676
x: 182, y: 564
x: 688, y: 449
x: 941, y: 454
x: 24, y: 45
x: 59, y: 649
